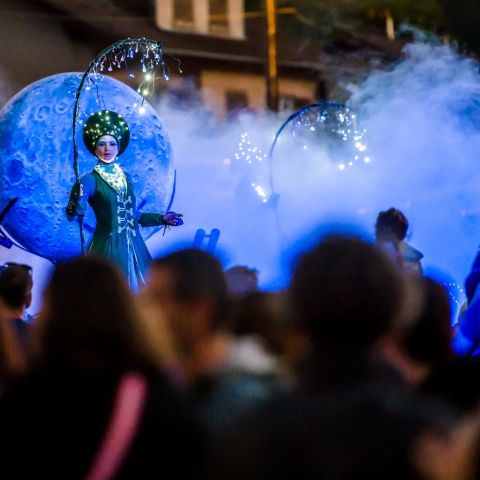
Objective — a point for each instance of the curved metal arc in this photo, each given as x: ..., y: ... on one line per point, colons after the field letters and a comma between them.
x: 283, y: 126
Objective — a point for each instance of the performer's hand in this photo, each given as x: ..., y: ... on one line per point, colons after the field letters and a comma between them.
x: 173, y: 219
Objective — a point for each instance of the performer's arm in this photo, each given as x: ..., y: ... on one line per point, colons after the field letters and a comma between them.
x: 81, y: 192
x: 157, y: 219
x: 150, y: 219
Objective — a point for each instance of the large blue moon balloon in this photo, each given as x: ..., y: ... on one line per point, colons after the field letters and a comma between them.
x: 36, y: 159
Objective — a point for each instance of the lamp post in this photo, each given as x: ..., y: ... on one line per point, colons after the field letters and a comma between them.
x: 271, y: 70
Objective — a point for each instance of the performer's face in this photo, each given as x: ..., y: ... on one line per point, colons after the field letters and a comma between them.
x: 106, y: 149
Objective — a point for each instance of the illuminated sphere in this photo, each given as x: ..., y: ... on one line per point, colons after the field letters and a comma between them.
x: 331, y: 126
x: 36, y: 159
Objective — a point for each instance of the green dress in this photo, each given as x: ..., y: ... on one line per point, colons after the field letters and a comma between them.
x: 117, y: 237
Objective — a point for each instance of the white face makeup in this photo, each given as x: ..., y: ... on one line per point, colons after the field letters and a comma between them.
x: 106, y: 149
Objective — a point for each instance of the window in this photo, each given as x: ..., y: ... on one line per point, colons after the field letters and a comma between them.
x: 184, y: 93
x: 218, y: 16
x: 292, y: 103
x: 236, y: 100
x: 207, y: 17
x: 183, y: 13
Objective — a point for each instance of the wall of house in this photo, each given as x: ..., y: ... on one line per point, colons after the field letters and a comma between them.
x: 216, y: 85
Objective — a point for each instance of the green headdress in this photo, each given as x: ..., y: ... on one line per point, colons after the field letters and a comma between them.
x: 106, y: 122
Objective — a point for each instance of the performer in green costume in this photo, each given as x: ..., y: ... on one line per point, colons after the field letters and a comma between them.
x: 109, y: 191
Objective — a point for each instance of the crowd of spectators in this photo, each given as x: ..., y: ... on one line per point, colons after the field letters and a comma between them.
x: 350, y: 373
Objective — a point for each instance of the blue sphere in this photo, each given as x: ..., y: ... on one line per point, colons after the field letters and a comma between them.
x: 36, y: 159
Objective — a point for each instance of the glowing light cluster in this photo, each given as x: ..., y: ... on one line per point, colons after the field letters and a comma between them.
x: 253, y: 157
x: 248, y: 152
x: 260, y: 191
x: 455, y: 292
x: 142, y: 59
x: 334, y: 127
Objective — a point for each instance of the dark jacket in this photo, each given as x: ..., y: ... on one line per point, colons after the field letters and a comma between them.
x: 350, y: 435
x: 53, y: 421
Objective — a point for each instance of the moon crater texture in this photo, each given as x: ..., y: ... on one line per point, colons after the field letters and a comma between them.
x: 36, y: 159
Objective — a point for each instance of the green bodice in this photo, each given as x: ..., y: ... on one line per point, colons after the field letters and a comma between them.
x: 117, y: 237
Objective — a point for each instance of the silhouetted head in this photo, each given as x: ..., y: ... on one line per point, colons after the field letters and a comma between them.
x: 16, y: 285
x: 264, y: 315
x: 89, y: 320
x: 190, y: 276
x: 241, y: 280
x: 189, y: 289
x: 391, y: 226
x: 345, y: 294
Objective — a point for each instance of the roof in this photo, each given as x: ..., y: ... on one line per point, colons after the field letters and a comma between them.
x: 104, y: 21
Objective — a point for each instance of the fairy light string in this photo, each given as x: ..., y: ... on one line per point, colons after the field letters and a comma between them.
x: 254, y: 158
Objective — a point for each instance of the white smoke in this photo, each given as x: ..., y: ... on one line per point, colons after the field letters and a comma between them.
x: 422, y: 120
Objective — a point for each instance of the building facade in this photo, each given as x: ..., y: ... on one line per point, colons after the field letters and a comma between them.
x: 220, y: 46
